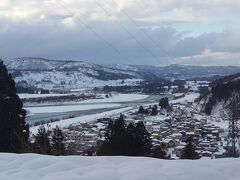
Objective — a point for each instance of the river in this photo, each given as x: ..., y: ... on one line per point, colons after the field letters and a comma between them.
x: 65, y: 115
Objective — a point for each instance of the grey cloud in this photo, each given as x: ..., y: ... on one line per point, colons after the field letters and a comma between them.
x: 190, y: 46
x: 57, y: 41
x: 50, y: 38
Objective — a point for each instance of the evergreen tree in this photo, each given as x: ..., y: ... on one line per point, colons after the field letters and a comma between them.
x: 14, y: 132
x: 42, y: 141
x: 164, y: 103
x: 114, y: 143
x: 58, y: 147
x: 126, y: 141
x: 131, y: 136
x: 138, y: 140
x: 143, y: 141
x: 189, y: 150
x: 154, y: 111
x: 142, y: 110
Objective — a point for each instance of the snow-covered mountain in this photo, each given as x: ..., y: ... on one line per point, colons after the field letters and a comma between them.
x: 180, y: 71
x: 221, y: 91
x: 48, y: 74
x: 52, y: 74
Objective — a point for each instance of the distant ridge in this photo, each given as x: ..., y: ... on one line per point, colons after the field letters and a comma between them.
x: 45, y: 73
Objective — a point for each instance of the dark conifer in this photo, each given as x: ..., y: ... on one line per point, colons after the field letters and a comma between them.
x: 126, y: 141
x: 143, y: 111
x: 58, y: 147
x: 189, y: 150
x: 14, y: 132
x: 114, y: 143
x: 143, y: 139
x: 154, y: 111
x: 42, y: 141
x: 164, y: 103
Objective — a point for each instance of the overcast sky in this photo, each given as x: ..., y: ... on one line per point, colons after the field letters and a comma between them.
x: 160, y: 32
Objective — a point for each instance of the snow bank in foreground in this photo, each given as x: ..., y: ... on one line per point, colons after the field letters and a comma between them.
x: 118, y: 98
x: 37, y: 167
x: 88, y: 118
x: 68, y: 108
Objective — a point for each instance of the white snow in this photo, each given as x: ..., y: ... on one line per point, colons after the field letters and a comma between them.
x: 114, y: 98
x: 156, y: 118
x: 68, y: 108
x: 55, y: 74
x: 118, y: 98
x: 88, y: 118
x: 189, y: 97
x: 39, y: 167
x: 26, y: 96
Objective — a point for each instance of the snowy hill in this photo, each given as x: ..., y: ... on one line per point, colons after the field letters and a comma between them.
x: 38, y: 167
x: 180, y: 71
x: 59, y: 74
x: 221, y: 90
x: 53, y: 74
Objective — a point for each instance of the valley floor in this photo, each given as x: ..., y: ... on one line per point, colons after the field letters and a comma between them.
x: 38, y: 167
x: 68, y: 110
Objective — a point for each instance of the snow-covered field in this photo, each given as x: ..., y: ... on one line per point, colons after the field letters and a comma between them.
x: 118, y: 98
x: 38, y: 167
x: 68, y: 108
x: 113, y: 98
x: 189, y: 97
x: 110, y: 102
x: 26, y: 96
x: 67, y: 122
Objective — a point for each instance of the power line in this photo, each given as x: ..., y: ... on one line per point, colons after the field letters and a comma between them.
x: 128, y: 32
x: 95, y: 33
x: 144, y: 32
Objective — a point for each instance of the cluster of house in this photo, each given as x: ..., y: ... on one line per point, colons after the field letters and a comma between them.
x: 171, y: 129
x: 86, y: 136
x: 209, y: 139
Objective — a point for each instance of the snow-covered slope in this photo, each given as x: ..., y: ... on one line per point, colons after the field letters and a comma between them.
x: 31, y: 64
x: 52, y: 74
x: 37, y: 167
x: 221, y: 91
x: 180, y: 71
